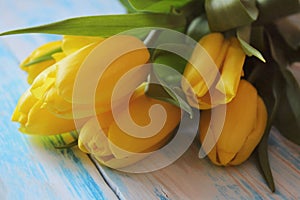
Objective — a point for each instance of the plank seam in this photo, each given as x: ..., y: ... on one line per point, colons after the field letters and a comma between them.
x: 106, y: 179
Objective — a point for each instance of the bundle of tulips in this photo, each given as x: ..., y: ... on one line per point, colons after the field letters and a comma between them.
x: 224, y: 58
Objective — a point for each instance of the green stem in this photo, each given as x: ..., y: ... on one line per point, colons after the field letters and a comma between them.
x: 42, y: 58
x: 263, y: 145
x: 67, y: 146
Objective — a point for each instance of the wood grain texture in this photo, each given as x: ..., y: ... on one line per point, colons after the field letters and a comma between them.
x: 193, y: 178
x: 30, y: 167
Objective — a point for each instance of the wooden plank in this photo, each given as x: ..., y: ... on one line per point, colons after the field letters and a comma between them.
x: 194, y: 178
x: 30, y: 167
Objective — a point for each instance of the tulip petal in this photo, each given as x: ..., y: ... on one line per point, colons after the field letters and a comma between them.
x: 255, y: 136
x: 67, y: 70
x: 56, y: 104
x: 206, y: 59
x: 42, y: 122
x: 25, y: 103
x: 123, y: 144
x: 92, y: 138
x: 58, y: 56
x: 231, y: 70
x: 71, y: 43
x: 106, y: 65
x: 225, y: 157
x: 43, y: 82
x: 240, y: 119
x: 211, y: 99
x: 35, y: 69
x: 207, y: 133
x: 36, y: 120
x: 106, y: 91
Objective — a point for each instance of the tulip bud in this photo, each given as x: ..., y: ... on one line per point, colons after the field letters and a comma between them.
x: 33, y: 110
x: 36, y: 120
x: 116, y: 148
x: 245, y: 122
x: 228, y: 59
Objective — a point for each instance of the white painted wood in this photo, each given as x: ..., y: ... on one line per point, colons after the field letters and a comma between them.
x: 192, y: 178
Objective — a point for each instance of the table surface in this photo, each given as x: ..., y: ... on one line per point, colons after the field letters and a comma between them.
x: 31, y: 168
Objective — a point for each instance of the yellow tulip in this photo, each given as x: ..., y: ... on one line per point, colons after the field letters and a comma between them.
x: 228, y: 58
x: 51, y: 52
x: 52, y: 89
x: 34, y: 119
x: 244, y: 125
x: 55, y: 87
x: 112, y: 146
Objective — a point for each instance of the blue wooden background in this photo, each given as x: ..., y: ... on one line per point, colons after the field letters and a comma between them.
x: 31, y: 168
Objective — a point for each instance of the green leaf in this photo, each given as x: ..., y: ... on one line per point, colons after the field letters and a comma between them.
x: 224, y: 15
x: 198, y: 28
x: 269, y: 83
x: 167, y: 37
x: 67, y: 146
x: 277, y: 89
x: 169, y: 43
x: 295, y: 70
x: 288, y: 119
x: 157, y: 91
x: 165, y: 85
x: 106, y: 25
x: 289, y: 28
x: 274, y: 85
x: 172, y: 60
x: 174, y: 55
x: 263, y: 158
x: 44, y: 57
x: 128, y: 6
x: 157, y: 6
x: 168, y: 77
x: 242, y: 36
x: 270, y: 10
x: 169, y: 60
x: 286, y: 122
x: 257, y: 38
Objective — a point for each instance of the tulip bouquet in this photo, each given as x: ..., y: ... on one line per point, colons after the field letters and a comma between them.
x: 126, y: 84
